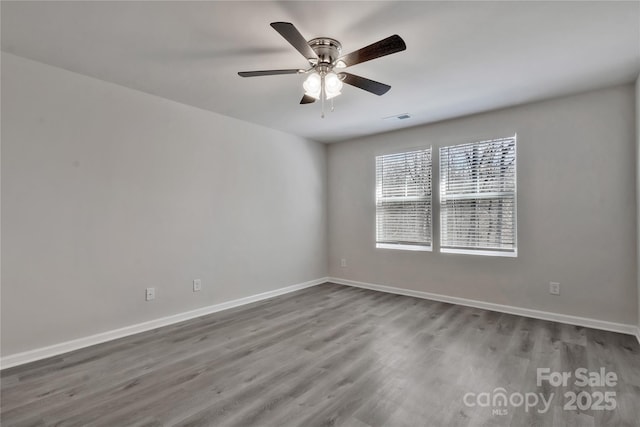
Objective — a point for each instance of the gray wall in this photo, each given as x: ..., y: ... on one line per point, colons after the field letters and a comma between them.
x: 638, y: 189
x: 106, y: 191
x: 576, y: 207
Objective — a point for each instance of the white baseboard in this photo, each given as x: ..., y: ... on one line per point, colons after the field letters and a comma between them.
x: 56, y: 349
x: 526, y: 312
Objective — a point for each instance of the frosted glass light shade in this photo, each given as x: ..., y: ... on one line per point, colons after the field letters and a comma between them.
x: 332, y: 85
x: 312, y: 85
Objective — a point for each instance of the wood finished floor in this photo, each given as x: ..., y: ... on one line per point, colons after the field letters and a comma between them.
x: 325, y: 356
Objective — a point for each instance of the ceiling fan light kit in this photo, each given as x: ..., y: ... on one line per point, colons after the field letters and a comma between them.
x: 323, y: 82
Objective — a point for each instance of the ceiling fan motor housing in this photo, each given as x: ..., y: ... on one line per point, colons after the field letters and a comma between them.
x: 327, y: 49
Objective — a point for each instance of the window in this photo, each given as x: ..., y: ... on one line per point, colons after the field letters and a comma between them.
x: 403, y: 200
x: 478, y: 198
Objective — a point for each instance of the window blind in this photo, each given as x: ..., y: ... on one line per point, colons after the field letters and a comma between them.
x: 478, y: 198
x: 403, y: 200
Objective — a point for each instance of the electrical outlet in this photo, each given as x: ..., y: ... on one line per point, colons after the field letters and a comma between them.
x: 343, y: 262
x: 197, y: 285
x: 150, y: 294
x: 554, y: 288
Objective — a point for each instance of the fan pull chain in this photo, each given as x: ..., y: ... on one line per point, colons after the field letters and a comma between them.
x: 322, y: 95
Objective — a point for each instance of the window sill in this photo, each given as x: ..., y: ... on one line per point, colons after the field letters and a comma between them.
x: 479, y: 252
x: 404, y: 247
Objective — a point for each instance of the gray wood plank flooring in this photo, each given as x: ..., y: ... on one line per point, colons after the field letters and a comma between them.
x: 329, y: 355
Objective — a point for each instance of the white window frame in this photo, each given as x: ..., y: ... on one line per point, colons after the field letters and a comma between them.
x: 424, y: 247
x: 445, y: 248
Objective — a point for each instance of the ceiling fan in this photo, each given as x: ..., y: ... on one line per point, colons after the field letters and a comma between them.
x: 323, y: 54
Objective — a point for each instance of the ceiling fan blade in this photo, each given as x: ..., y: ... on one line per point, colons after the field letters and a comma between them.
x: 267, y: 73
x: 365, y: 84
x: 306, y: 99
x: 293, y: 36
x: 378, y: 49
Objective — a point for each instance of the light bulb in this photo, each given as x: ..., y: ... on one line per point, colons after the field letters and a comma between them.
x: 312, y: 85
x: 332, y: 85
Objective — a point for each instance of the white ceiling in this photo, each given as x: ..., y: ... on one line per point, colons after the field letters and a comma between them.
x: 461, y: 57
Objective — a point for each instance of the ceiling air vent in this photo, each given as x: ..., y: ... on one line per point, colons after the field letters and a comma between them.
x: 402, y: 116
